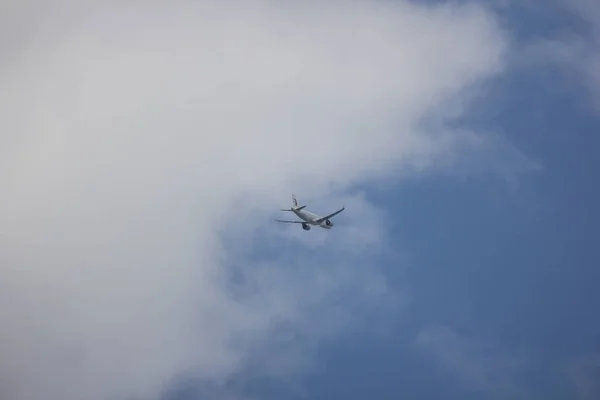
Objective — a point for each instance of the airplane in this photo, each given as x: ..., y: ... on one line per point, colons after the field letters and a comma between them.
x: 309, y: 219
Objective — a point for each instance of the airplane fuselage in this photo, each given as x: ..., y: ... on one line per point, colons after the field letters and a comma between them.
x: 311, y: 219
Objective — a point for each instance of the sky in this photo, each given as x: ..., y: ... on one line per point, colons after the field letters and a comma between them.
x: 146, y: 147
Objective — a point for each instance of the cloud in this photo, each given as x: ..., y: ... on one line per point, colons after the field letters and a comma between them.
x: 140, y: 142
x: 583, y: 374
x: 574, y: 46
x: 481, y: 366
x: 590, y: 60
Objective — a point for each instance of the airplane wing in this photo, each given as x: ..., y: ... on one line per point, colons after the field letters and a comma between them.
x: 289, y: 222
x: 330, y: 215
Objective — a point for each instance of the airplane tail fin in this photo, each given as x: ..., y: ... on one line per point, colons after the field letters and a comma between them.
x: 295, y: 205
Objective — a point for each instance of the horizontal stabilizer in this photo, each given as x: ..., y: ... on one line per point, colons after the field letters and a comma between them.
x: 294, y: 209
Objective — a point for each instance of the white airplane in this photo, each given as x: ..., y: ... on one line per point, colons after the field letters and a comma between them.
x: 309, y: 218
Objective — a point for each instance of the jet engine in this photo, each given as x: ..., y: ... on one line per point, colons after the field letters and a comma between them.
x: 328, y: 223
x: 306, y: 226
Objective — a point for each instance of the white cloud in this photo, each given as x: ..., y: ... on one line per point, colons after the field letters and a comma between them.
x: 135, y: 138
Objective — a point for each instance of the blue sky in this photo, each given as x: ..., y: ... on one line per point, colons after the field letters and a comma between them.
x: 146, y: 150
x: 502, y: 279
x: 518, y: 269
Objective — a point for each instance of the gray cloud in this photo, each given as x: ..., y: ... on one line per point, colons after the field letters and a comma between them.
x: 480, y: 365
x: 136, y: 138
x: 583, y: 374
x: 577, y: 49
x: 589, y: 58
